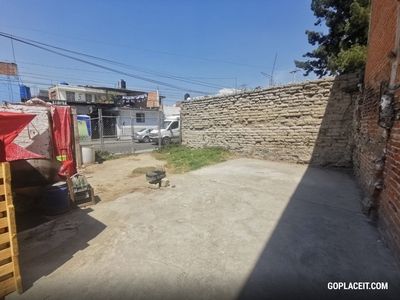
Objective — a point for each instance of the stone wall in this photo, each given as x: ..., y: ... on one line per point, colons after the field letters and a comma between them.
x: 36, y: 136
x: 308, y: 122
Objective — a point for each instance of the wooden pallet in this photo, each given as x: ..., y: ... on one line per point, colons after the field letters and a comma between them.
x: 10, y: 278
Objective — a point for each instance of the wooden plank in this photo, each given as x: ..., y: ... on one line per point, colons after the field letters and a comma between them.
x: 18, y: 282
x: 70, y: 188
x: 2, y: 192
x: 5, y: 253
x: 3, y: 222
x: 12, y: 231
x: 4, y: 238
x: 7, y: 183
x: 6, y: 171
x: 1, y: 173
x: 92, y: 196
x: 76, y: 147
x: 3, y: 206
x: 6, y: 269
x: 7, y: 286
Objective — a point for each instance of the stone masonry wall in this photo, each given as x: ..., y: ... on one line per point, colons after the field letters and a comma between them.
x: 36, y: 136
x: 308, y: 122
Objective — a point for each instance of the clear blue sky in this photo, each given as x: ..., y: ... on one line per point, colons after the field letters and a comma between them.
x: 221, y: 43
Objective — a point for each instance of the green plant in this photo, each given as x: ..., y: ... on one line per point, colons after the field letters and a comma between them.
x: 343, y: 49
x: 182, y: 159
x: 105, y: 155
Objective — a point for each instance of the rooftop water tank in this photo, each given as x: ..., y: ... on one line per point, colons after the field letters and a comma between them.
x: 122, y: 84
x: 25, y: 92
x: 64, y: 83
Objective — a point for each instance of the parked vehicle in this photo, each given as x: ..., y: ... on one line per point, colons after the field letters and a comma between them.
x: 170, y: 131
x: 143, y: 135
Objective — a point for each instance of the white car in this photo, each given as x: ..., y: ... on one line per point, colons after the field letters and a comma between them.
x: 170, y: 131
x: 143, y: 135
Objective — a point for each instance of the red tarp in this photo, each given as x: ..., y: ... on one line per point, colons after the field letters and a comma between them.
x: 15, y: 152
x: 61, y: 116
x: 11, y: 124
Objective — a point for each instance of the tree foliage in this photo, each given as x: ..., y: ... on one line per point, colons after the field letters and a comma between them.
x: 343, y: 49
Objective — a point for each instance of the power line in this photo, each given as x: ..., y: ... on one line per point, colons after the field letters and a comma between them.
x: 31, y: 43
x: 142, y: 49
x: 122, y: 64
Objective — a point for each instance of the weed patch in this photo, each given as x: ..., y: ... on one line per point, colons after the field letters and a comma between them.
x: 101, y: 156
x: 182, y: 159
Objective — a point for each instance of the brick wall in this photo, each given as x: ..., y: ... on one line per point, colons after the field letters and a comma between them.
x: 377, y: 156
x: 8, y: 69
x: 152, y: 99
x: 381, y: 41
x: 36, y: 136
x: 309, y: 122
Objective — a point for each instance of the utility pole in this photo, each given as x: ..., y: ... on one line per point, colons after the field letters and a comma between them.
x: 294, y: 74
x: 235, y: 85
x: 273, y: 68
x: 271, y: 77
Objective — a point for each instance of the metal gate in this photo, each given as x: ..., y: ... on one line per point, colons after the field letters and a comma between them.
x: 118, y: 134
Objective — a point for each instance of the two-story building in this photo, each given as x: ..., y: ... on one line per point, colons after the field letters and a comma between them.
x: 121, y: 108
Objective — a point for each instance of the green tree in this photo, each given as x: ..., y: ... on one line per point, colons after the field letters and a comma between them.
x: 344, y: 48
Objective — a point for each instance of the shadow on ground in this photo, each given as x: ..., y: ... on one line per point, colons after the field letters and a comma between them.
x: 318, y: 241
x: 322, y: 236
x: 56, y: 243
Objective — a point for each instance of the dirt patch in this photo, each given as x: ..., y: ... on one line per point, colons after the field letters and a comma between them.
x: 118, y: 177
x: 142, y: 171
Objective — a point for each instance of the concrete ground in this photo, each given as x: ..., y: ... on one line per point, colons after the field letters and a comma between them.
x: 243, y: 229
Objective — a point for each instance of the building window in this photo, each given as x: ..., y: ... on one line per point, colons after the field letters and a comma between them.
x: 70, y: 96
x: 88, y: 98
x: 139, y: 117
x: 53, y: 95
x: 80, y: 97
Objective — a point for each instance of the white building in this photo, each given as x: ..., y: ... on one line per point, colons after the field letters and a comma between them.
x: 128, y: 121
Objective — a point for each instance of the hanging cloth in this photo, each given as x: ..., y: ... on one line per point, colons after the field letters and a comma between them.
x: 62, y: 141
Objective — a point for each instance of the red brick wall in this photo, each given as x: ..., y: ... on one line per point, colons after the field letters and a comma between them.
x: 389, y: 206
x: 381, y: 41
x: 152, y: 99
x: 375, y: 142
x: 9, y: 69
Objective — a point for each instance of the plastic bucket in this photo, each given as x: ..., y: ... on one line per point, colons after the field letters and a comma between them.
x: 55, y: 199
x: 88, y: 155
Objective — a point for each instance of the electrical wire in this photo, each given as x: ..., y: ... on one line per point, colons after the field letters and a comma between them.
x: 124, y: 65
x: 143, y: 49
x: 98, y: 65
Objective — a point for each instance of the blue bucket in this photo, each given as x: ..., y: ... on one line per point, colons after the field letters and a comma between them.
x: 55, y: 199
